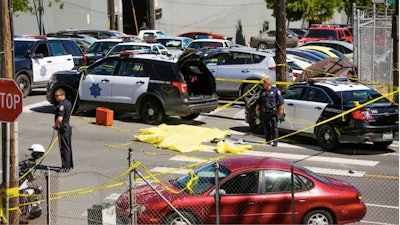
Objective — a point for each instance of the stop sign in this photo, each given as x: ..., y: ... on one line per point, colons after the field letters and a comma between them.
x: 10, y: 100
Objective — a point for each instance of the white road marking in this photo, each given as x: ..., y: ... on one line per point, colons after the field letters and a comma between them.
x: 170, y: 169
x: 352, y: 173
x: 313, y: 158
x: 27, y: 109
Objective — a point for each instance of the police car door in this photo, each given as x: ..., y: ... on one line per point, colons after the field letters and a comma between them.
x: 309, y: 109
x: 131, y: 81
x: 291, y: 96
x: 46, y: 61
x: 96, y: 84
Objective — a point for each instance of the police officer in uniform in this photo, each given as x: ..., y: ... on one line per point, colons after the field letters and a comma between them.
x: 61, y: 124
x: 269, y: 107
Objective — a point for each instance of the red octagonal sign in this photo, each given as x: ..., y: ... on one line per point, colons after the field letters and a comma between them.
x: 10, y: 100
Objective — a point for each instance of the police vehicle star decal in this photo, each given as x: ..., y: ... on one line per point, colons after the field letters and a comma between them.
x: 95, y: 90
x: 43, y: 71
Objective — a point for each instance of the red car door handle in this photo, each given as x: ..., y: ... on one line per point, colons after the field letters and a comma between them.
x: 252, y: 202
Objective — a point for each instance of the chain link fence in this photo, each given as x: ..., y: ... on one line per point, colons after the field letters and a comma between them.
x: 373, y: 47
x: 85, y: 196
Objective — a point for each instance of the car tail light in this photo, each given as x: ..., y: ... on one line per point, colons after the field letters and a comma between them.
x: 182, y: 86
x: 362, y: 114
x: 359, y: 196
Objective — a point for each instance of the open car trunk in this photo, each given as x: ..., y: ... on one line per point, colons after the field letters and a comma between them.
x: 198, y: 77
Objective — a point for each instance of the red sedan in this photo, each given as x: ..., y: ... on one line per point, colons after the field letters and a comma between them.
x: 252, y: 190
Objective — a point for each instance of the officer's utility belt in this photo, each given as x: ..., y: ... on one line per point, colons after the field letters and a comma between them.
x: 272, y: 111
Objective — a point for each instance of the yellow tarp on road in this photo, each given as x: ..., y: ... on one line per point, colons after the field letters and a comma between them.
x: 187, y: 138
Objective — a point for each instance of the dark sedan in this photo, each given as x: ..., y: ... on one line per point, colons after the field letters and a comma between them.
x: 252, y: 190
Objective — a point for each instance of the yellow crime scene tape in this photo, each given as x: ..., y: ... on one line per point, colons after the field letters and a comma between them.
x: 13, y: 192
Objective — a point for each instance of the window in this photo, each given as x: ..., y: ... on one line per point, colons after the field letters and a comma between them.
x: 106, y: 67
x: 293, y: 93
x: 237, y: 58
x: 42, y: 49
x: 276, y: 181
x: 56, y: 48
x: 132, y: 69
x: 244, y: 183
x: 316, y: 95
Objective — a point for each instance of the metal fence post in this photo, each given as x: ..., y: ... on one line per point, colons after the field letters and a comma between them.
x: 131, y: 196
x: 48, y: 195
x: 216, y: 170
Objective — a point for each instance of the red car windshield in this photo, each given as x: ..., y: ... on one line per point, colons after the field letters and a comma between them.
x: 201, y: 180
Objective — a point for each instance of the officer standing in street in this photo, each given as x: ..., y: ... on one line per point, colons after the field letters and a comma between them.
x: 268, y: 107
x: 61, y: 124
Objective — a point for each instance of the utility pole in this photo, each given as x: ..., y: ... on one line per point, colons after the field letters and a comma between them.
x: 111, y: 14
x: 152, y: 14
x: 280, y: 42
x: 10, y: 196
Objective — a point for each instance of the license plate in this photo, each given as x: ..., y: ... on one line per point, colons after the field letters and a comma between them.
x: 387, y: 136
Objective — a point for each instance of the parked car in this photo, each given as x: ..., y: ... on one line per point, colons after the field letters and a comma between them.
x: 98, y: 34
x: 300, y: 32
x: 175, y: 45
x: 99, y: 49
x: 35, y: 59
x: 267, y: 39
x: 346, y: 48
x: 150, y: 35
x: 326, y: 32
x: 72, y: 34
x: 310, y: 103
x: 304, y: 54
x: 330, y: 52
x: 251, y: 190
x: 151, y: 86
x: 209, y: 43
x: 242, y: 64
x: 202, y: 35
x: 297, y: 64
x: 142, y: 47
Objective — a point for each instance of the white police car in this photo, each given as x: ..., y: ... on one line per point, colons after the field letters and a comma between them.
x: 311, y: 103
x: 36, y: 59
x: 151, y: 86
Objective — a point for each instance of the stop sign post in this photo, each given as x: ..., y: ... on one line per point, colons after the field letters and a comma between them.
x: 10, y: 100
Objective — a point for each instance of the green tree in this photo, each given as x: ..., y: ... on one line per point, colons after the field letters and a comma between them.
x: 295, y: 9
x: 33, y: 6
x: 347, y: 6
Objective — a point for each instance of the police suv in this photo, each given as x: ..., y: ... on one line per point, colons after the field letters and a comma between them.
x: 321, y: 109
x: 147, y: 84
x: 37, y: 58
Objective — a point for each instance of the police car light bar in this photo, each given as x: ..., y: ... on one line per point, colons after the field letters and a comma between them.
x: 329, y: 79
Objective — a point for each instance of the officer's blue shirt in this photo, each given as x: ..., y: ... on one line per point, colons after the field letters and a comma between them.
x: 270, y: 99
x: 64, y: 109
